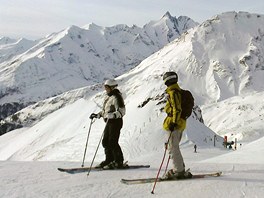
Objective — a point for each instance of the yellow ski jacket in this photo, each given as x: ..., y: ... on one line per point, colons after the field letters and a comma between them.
x: 173, y: 109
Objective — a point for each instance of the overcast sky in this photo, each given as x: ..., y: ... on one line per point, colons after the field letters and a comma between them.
x: 33, y: 19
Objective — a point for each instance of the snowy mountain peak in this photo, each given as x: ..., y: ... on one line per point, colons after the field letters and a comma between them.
x: 237, y: 15
x: 73, y: 28
x: 76, y: 57
x: 167, y: 15
x: 6, y: 40
x: 92, y: 26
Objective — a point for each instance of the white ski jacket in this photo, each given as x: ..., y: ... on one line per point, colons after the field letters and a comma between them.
x: 113, y: 105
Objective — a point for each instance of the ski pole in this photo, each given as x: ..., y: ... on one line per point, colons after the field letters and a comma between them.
x: 167, y: 165
x: 152, y: 192
x: 96, y: 150
x: 87, y: 141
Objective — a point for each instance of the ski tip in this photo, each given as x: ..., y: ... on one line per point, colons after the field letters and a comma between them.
x: 124, y: 181
x: 66, y: 171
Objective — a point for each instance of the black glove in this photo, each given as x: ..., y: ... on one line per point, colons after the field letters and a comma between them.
x: 93, y: 115
x: 172, y: 126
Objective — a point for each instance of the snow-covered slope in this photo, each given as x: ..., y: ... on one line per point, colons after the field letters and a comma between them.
x: 220, y: 61
x: 10, y: 48
x: 144, y: 93
x: 42, y: 179
x: 208, y: 59
x: 229, y: 52
x: 66, y: 130
x: 219, y: 67
x: 239, y: 117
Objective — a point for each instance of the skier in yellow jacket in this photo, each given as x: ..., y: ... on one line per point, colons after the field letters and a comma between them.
x: 175, y: 126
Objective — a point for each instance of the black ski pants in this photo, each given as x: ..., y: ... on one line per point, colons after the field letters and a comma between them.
x: 113, y: 150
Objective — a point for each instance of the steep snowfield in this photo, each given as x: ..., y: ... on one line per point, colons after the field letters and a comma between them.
x: 66, y: 130
x: 231, y: 58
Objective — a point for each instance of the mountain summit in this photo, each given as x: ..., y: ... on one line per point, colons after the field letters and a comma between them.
x: 218, y: 59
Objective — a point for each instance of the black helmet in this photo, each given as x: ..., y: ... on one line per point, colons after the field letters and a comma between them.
x: 170, y: 78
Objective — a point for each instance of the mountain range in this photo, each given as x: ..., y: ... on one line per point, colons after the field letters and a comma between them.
x: 31, y: 71
x: 220, y: 61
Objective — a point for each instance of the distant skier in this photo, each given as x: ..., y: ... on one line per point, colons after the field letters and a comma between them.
x: 175, y: 125
x: 113, y: 112
x: 195, y: 148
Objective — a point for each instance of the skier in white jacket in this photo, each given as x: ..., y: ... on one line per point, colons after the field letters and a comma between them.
x: 113, y: 112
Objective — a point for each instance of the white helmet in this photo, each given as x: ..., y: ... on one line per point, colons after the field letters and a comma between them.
x: 111, y: 83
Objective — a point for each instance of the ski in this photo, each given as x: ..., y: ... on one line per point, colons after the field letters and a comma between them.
x: 77, y: 170
x: 151, y: 180
x: 85, y: 169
